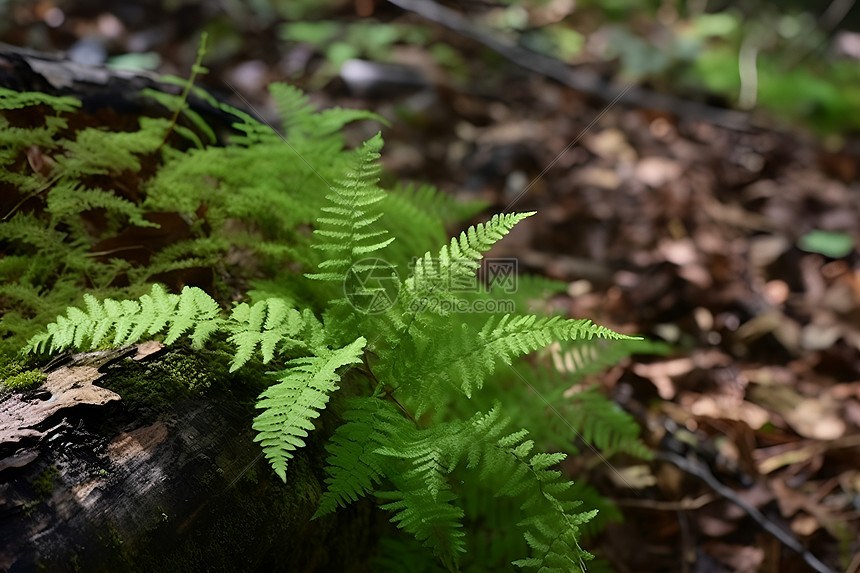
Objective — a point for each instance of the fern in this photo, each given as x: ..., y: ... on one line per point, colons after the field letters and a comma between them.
x: 347, y: 233
x: 354, y: 465
x: 268, y: 323
x: 464, y: 358
x: 458, y: 260
x: 432, y: 426
x: 129, y: 321
x: 289, y: 406
x: 604, y: 424
x: 377, y: 444
x: 407, y: 208
x: 299, y: 120
x: 98, y: 152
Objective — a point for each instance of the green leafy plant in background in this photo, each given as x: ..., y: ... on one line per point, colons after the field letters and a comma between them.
x: 767, y: 57
x: 432, y: 423
x: 829, y: 243
x: 370, y: 40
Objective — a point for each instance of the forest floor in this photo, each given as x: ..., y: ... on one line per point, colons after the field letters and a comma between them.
x: 667, y: 226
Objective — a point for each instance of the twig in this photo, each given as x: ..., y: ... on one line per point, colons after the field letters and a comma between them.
x: 695, y: 467
x: 686, y: 504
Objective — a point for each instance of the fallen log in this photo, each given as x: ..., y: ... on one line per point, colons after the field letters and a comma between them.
x: 128, y: 461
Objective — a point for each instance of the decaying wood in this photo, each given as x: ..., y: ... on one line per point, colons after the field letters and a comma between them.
x: 21, y: 414
x: 88, y: 484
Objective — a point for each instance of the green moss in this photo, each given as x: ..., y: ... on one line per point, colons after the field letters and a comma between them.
x: 43, y: 485
x: 16, y: 376
x: 25, y: 380
x: 184, y: 373
x: 158, y: 383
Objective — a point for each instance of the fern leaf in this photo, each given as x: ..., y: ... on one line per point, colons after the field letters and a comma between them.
x: 463, y: 359
x: 459, y: 259
x: 417, y: 217
x: 130, y: 320
x: 551, y: 524
x: 433, y: 519
x: 97, y: 151
x: 604, y: 424
x: 377, y: 442
x: 10, y: 99
x: 347, y: 233
x: 196, y: 311
x: 268, y: 323
x: 304, y: 389
x: 355, y: 462
x: 299, y: 119
x: 292, y: 106
x: 27, y: 228
x: 67, y: 199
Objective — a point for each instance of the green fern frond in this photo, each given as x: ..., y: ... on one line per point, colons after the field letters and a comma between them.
x: 347, y: 233
x: 97, y: 151
x: 409, y: 209
x: 67, y: 199
x: 298, y: 117
x: 377, y: 442
x: 289, y: 406
x: 355, y: 464
x: 464, y: 358
x: 602, y: 423
x: 14, y: 140
x: 27, y: 228
x: 551, y: 526
x: 439, y: 206
x: 459, y: 260
x: 10, y: 99
x: 330, y: 121
x: 269, y: 323
x: 292, y: 105
x: 196, y: 311
x: 130, y: 320
x: 433, y: 520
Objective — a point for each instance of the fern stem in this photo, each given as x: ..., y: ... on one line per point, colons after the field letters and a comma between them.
x: 195, y: 69
x: 389, y: 391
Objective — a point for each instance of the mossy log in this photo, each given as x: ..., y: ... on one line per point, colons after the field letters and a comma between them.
x: 129, y: 460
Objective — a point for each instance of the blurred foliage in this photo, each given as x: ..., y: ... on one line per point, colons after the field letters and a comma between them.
x: 788, y: 59
x: 827, y: 243
x: 764, y: 56
x: 756, y: 56
x: 362, y: 39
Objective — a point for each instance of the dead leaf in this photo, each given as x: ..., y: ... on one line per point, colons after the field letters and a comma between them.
x: 656, y: 171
